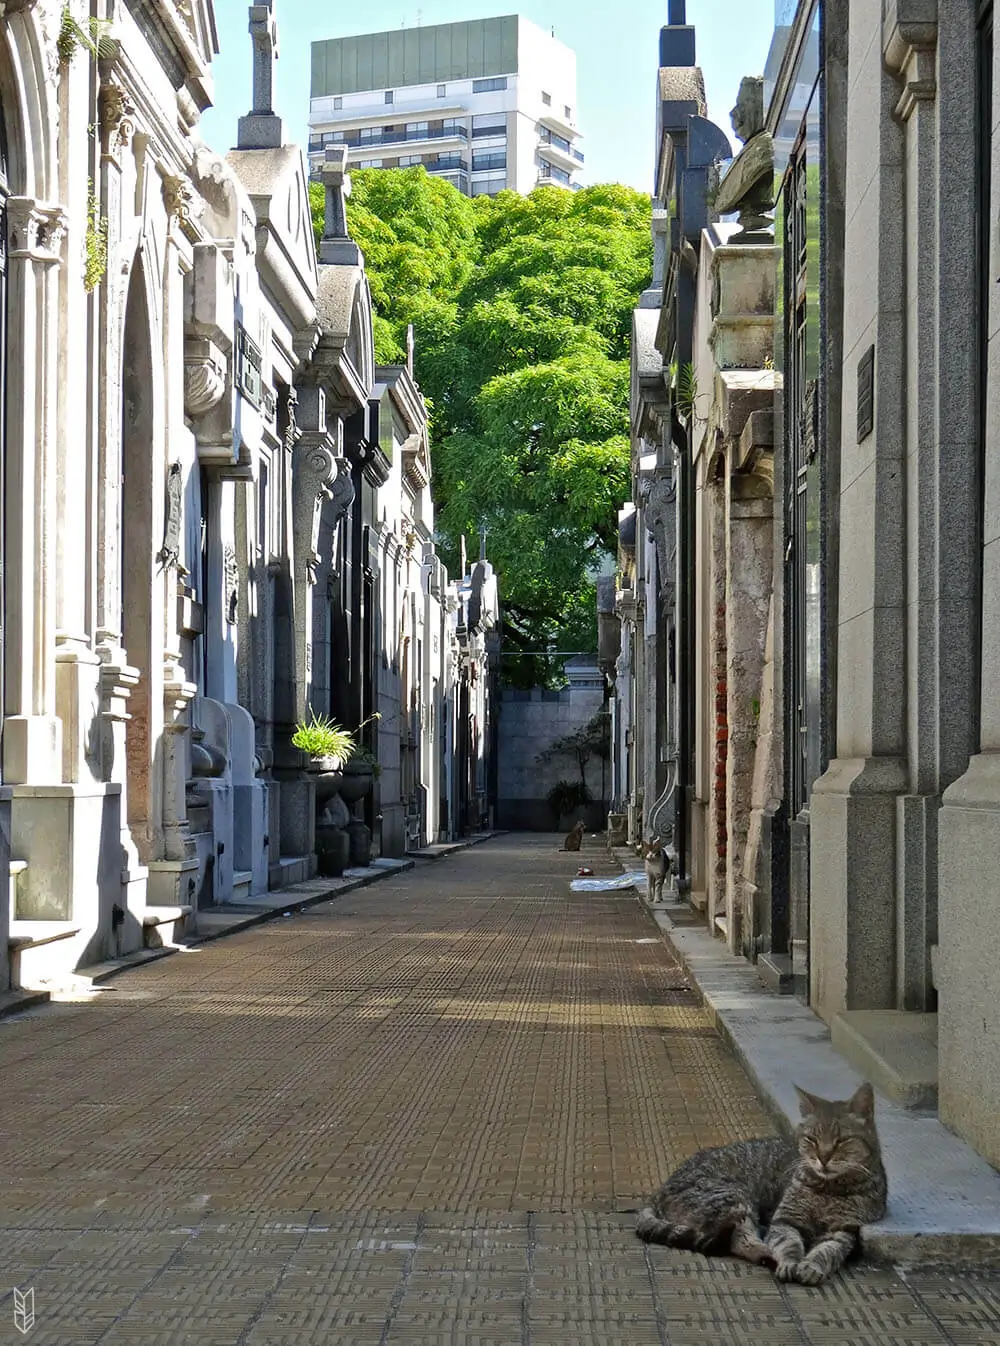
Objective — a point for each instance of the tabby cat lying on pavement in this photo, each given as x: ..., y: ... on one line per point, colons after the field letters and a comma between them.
x: 814, y: 1192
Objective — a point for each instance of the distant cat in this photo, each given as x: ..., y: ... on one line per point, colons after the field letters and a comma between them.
x: 656, y: 868
x: 814, y: 1192
x: 574, y: 837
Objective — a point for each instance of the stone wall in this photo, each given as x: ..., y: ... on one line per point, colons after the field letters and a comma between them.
x: 529, y: 722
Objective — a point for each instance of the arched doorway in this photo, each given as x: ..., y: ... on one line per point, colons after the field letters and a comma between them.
x: 136, y: 563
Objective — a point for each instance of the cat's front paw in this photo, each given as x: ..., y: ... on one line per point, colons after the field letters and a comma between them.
x: 808, y: 1273
x: 786, y: 1270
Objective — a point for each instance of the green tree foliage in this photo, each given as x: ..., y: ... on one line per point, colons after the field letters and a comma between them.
x: 522, y: 314
x: 417, y: 234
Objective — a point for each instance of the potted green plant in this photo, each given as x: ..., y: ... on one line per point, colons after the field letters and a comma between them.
x: 327, y: 746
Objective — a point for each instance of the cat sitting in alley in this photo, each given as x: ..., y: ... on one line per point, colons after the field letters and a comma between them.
x: 657, y: 867
x: 813, y: 1192
x: 574, y: 837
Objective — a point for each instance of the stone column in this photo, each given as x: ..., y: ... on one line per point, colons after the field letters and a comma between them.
x: 32, y: 733
x: 967, y: 956
x: 853, y: 806
x: 749, y: 576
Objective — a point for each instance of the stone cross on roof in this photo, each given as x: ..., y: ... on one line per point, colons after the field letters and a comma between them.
x: 264, y: 31
x: 262, y: 129
x: 337, y: 247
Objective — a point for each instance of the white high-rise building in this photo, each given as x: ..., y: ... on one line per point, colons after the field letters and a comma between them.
x: 487, y: 104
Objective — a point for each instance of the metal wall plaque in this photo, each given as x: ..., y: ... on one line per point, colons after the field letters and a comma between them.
x: 866, y: 394
x: 249, y: 379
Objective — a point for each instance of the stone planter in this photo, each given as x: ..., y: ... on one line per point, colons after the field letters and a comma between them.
x: 328, y: 776
x: 358, y: 778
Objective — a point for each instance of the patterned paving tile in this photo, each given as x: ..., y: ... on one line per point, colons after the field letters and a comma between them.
x: 418, y: 1115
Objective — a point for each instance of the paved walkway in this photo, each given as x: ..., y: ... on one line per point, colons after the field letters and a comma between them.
x: 419, y: 1114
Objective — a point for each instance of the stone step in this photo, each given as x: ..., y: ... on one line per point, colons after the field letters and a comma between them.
x: 289, y: 870
x: 165, y: 927
x: 895, y: 1049
x: 33, y: 960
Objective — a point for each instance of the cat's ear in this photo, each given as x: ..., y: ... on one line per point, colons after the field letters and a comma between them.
x: 809, y: 1104
x: 863, y: 1103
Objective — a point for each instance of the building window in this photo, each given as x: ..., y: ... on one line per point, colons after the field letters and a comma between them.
x: 547, y: 99
x: 370, y: 163
x: 390, y: 97
x: 569, y: 113
x: 489, y: 124
x: 442, y: 90
x: 491, y: 159
x: 489, y: 186
x: 338, y: 103
x: 489, y: 85
x: 408, y: 160
x: 415, y: 129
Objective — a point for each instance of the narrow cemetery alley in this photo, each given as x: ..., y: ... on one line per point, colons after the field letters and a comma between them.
x: 422, y: 1113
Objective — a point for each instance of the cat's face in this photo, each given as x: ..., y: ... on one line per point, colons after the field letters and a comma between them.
x: 837, y: 1139
x: 651, y: 849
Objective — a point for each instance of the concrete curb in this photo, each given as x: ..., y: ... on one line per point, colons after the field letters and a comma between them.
x: 944, y: 1198
x: 452, y: 847
x: 13, y: 1002
x: 328, y: 890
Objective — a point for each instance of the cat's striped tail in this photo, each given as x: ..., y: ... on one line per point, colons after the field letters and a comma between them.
x: 652, y: 1229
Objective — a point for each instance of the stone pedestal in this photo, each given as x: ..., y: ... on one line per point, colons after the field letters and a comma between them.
x: 852, y: 924
x: 968, y: 955
x: 70, y: 837
x: 297, y: 810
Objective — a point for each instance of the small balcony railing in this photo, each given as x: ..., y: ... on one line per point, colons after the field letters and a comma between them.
x: 354, y: 141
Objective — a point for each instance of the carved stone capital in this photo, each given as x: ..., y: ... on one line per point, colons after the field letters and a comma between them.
x: 34, y: 230
x: 178, y: 693
x: 117, y: 117
x: 115, y: 682
x: 182, y: 205
x: 909, y: 43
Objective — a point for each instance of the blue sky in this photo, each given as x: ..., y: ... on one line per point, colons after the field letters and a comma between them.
x: 616, y: 50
